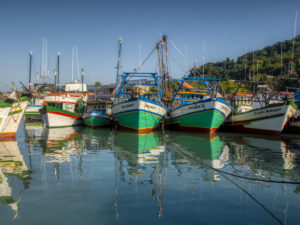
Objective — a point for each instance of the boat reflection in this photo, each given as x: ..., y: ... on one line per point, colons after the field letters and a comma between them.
x: 34, y: 133
x: 203, y: 149
x: 12, y: 164
x: 96, y: 139
x: 61, y: 143
x: 140, y: 159
x: 138, y: 149
x: 266, y: 157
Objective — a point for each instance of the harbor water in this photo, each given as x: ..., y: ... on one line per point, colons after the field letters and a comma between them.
x: 78, y: 175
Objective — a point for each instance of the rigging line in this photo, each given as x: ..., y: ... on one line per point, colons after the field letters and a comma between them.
x: 178, y: 50
x: 181, y: 67
x: 145, y: 60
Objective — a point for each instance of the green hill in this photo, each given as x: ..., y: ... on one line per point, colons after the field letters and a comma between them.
x: 266, y: 63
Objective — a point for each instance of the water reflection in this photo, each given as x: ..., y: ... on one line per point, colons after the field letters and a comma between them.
x: 146, y: 158
x: 61, y: 143
x: 12, y: 164
x: 166, y: 176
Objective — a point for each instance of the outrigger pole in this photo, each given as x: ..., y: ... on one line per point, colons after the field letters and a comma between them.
x: 58, y: 55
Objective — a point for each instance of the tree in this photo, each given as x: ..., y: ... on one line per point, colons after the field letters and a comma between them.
x: 97, y: 84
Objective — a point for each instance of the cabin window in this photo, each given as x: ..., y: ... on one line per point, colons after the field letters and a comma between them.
x: 68, y: 106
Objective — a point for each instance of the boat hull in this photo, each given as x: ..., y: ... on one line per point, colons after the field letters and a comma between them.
x: 202, y: 116
x: 140, y: 115
x: 55, y: 117
x: 11, y: 123
x: 94, y: 119
x: 32, y: 112
x: 271, y: 119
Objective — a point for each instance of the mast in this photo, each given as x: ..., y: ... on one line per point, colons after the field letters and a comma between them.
x: 30, y: 68
x: 167, y: 57
x: 118, y: 67
x: 55, y: 80
x: 159, y: 58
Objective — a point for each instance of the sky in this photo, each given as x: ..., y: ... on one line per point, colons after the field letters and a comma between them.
x: 215, y: 29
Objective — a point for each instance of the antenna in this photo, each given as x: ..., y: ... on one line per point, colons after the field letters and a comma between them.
x: 253, y: 63
x: 203, y: 59
x: 72, y: 64
x: 77, y: 63
x: 186, y: 60
x: 140, y: 56
x: 281, y: 58
x: 245, y: 62
x: 294, y: 42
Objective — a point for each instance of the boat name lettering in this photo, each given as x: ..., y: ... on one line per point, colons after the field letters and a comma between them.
x: 267, y: 111
x: 225, y: 108
x: 197, y: 106
x: 150, y: 107
x: 127, y: 106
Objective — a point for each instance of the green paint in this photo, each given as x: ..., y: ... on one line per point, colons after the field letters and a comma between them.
x: 203, y: 146
x: 96, y: 121
x: 206, y: 119
x: 55, y: 109
x: 136, y: 143
x: 15, y: 112
x: 138, y: 120
x: 5, y: 104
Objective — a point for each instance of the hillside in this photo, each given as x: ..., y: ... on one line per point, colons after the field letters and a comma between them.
x: 266, y: 63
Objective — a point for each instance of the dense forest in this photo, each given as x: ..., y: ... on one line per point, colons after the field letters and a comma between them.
x: 272, y: 62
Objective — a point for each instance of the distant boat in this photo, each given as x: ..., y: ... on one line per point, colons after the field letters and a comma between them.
x: 260, y: 114
x: 294, y: 123
x: 32, y: 111
x: 197, y: 109
x: 97, y: 114
x: 96, y: 118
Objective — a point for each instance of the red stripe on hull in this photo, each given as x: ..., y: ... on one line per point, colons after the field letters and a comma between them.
x: 11, y: 136
x: 62, y: 114
x: 238, y: 128
x: 192, y: 129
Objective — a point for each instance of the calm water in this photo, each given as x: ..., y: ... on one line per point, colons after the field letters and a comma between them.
x: 85, y: 176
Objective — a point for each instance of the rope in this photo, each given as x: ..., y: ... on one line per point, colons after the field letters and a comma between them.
x: 146, y: 59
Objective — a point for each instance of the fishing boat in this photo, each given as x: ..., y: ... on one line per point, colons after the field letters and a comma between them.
x: 65, y: 109
x: 96, y: 118
x: 197, y: 109
x: 138, y: 102
x: 260, y: 112
x: 11, y: 113
x: 32, y: 111
x: 62, y: 109
x: 97, y: 114
x: 138, y: 108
